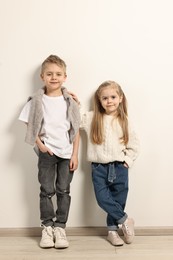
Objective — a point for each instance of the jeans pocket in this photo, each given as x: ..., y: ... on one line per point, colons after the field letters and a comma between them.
x: 123, y: 169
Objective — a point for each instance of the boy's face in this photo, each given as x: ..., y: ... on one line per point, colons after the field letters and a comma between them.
x: 53, y: 77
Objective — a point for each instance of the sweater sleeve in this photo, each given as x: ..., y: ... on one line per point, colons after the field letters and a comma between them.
x: 131, y: 151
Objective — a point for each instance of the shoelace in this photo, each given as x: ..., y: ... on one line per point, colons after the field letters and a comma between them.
x: 127, y: 230
x: 61, y: 234
x: 114, y: 234
x: 48, y: 232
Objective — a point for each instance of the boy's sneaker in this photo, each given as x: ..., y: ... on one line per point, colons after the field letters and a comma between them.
x: 47, y: 239
x: 60, y: 238
x: 114, y: 238
x: 128, y: 230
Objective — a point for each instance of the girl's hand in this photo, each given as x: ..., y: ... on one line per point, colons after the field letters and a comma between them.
x: 126, y: 165
x: 74, y: 97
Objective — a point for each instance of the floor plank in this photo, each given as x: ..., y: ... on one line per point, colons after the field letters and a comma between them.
x: 88, y: 248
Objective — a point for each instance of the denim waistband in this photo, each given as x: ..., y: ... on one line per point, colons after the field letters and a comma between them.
x: 111, y: 169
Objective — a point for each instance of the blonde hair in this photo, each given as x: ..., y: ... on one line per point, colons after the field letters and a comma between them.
x: 53, y: 59
x: 97, y: 135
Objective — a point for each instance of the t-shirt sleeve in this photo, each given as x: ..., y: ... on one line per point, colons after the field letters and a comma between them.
x: 24, y: 115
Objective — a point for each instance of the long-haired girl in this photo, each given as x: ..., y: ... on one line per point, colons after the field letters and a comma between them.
x: 112, y: 148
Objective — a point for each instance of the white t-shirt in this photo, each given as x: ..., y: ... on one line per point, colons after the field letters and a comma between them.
x: 55, y: 126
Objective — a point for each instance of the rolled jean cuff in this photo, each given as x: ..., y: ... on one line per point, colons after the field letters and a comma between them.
x: 47, y: 224
x: 123, y: 219
x: 61, y: 225
x: 112, y: 228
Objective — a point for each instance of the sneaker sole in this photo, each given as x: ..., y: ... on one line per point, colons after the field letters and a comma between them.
x: 47, y: 246
x: 61, y: 247
x: 120, y: 244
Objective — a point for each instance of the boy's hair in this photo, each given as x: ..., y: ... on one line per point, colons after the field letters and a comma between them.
x: 97, y: 135
x: 53, y: 59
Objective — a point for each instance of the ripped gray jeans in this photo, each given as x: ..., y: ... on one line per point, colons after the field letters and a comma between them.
x: 54, y: 177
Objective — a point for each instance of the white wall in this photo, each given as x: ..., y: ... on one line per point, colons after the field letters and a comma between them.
x: 126, y: 41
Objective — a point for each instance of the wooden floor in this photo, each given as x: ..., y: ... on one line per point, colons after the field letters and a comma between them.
x: 88, y: 248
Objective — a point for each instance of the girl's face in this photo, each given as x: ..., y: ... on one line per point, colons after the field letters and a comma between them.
x: 110, y: 100
x: 53, y: 77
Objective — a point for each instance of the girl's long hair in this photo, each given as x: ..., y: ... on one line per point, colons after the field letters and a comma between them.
x: 97, y: 134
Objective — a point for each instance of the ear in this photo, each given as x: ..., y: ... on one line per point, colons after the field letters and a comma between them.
x: 41, y: 76
x: 65, y: 77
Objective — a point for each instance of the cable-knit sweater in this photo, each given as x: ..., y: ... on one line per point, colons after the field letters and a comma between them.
x: 36, y: 116
x: 112, y: 149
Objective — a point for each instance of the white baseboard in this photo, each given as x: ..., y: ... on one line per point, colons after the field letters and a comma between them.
x: 84, y: 231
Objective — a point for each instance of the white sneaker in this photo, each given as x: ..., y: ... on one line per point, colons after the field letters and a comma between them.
x: 60, y: 238
x: 128, y: 230
x: 114, y: 238
x: 47, y: 239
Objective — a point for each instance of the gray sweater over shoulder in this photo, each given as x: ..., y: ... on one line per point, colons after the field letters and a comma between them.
x: 36, y: 116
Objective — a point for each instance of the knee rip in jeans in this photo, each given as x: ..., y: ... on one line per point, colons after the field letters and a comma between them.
x: 65, y: 191
x: 48, y: 195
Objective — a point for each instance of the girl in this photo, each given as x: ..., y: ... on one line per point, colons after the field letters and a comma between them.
x: 112, y: 149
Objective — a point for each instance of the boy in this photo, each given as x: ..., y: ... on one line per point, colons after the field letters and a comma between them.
x: 53, y: 120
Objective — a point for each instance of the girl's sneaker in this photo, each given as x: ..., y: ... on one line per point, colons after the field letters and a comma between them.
x: 128, y: 230
x: 114, y: 238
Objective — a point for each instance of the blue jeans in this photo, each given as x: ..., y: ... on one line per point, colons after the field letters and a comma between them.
x: 54, y: 177
x: 111, y: 188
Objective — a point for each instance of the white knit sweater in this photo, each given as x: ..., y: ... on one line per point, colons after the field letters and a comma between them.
x: 112, y: 149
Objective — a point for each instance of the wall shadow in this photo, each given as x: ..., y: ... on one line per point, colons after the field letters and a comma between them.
x: 92, y: 214
x: 22, y: 154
